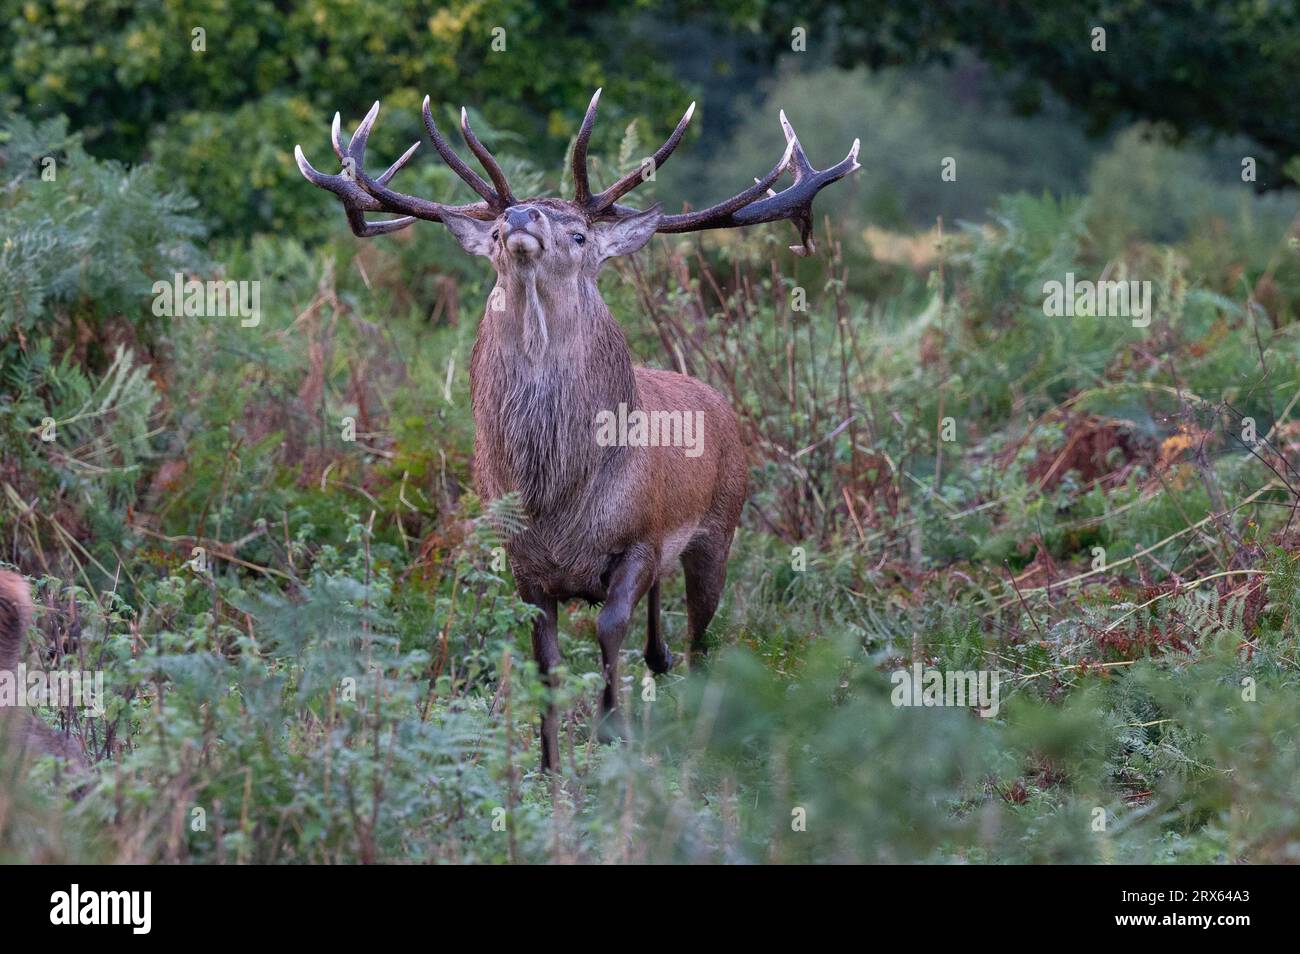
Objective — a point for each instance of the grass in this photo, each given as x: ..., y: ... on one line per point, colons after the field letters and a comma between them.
x: 348, y: 677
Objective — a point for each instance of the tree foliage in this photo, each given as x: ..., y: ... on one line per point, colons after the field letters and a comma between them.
x: 223, y: 108
x: 1196, y: 65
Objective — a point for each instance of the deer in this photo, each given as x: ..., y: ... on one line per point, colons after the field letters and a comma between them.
x: 20, y: 730
x: 605, y: 521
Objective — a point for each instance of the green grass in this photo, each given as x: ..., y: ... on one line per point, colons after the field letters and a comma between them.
x: 352, y: 681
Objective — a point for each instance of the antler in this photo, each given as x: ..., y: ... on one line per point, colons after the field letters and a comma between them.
x: 793, y: 202
x: 748, y: 207
x: 597, y: 204
x: 359, y: 193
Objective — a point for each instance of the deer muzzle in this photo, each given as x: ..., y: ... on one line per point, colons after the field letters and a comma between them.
x: 522, y: 229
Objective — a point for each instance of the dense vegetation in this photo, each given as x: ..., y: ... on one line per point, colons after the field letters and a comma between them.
x: 1107, y: 519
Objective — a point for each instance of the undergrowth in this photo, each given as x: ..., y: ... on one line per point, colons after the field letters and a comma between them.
x: 266, y: 540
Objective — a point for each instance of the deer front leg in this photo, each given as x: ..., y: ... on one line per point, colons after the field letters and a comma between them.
x: 546, y: 652
x: 631, y: 577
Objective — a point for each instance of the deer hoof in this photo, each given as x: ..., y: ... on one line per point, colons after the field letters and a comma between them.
x: 659, y: 663
x: 609, y: 729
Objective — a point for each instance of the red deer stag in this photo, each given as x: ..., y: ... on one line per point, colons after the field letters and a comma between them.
x: 605, y: 518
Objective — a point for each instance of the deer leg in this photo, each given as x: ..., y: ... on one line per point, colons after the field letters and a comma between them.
x: 705, y: 567
x: 657, y: 656
x: 546, y: 652
x: 631, y: 578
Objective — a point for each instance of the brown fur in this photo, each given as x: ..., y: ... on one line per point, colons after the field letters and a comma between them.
x: 603, y: 523
x: 21, y: 729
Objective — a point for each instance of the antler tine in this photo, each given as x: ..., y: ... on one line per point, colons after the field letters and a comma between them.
x: 396, y: 166
x: 634, y: 178
x: 357, y: 144
x: 360, y: 194
x: 793, y: 203
x: 336, y: 137
x: 487, y: 160
x: 802, y: 166
x: 471, y: 178
x: 356, y: 201
x: 581, y: 182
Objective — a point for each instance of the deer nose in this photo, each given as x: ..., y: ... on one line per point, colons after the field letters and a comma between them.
x: 519, y: 216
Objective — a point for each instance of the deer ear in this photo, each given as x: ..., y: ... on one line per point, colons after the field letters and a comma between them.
x: 474, y: 235
x: 624, y: 236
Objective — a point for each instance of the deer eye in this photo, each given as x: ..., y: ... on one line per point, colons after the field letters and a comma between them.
x: 578, y: 237
x: 496, y: 233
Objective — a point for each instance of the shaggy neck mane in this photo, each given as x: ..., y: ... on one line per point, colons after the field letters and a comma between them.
x: 546, y: 365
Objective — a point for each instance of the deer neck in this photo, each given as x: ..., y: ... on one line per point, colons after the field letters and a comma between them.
x: 545, y: 365
x: 539, y: 322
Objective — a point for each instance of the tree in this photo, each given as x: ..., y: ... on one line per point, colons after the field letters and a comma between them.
x: 1223, y: 66
x: 219, y: 91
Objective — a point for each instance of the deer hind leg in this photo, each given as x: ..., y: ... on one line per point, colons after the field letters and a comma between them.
x: 546, y: 652
x: 657, y: 656
x: 705, y: 567
x: 633, y: 575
